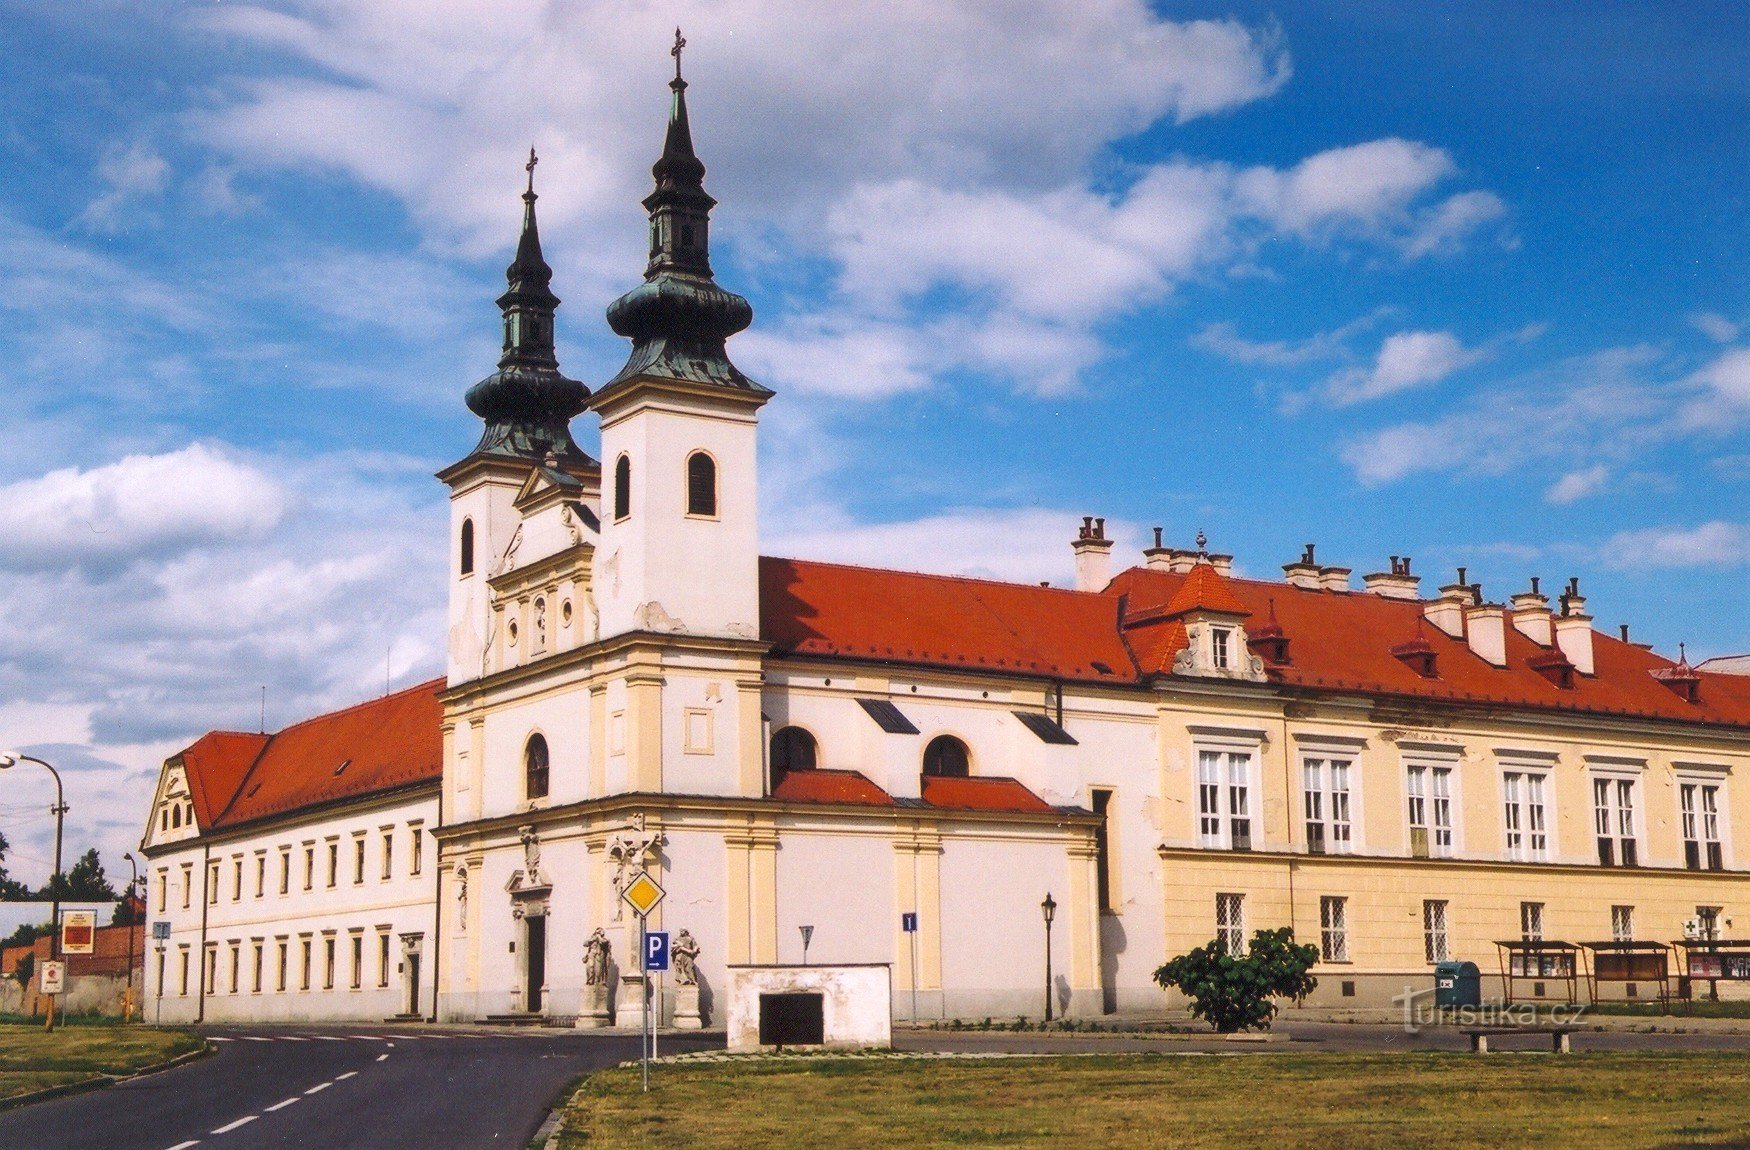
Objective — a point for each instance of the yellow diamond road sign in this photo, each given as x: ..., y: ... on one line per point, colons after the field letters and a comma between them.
x: 642, y: 894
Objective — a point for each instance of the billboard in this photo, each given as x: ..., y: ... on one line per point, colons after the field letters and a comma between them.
x: 78, y: 931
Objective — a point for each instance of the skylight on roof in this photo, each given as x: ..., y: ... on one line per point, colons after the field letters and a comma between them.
x: 1048, y: 730
x: 888, y: 717
x: 344, y: 763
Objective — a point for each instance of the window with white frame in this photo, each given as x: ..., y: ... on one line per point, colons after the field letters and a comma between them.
x: 1622, y: 923
x: 1525, y: 815
x: 1334, y: 928
x: 1613, y: 819
x: 1699, y: 803
x: 1531, y: 921
x: 1224, y: 799
x: 1430, y: 810
x: 1230, y: 923
x: 1434, y: 940
x: 1325, y: 797
x: 1220, y: 638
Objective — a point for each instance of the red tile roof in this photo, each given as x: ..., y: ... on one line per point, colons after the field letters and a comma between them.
x: 384, y: 744
x: 1205, y: 589
x: 939, y: 620
x: 818, y: 785
x: 981, y: 793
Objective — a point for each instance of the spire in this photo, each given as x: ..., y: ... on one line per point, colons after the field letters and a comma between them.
x: 679, y: 319
x: 527, y: 404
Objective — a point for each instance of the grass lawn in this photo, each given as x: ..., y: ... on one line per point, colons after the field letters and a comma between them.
x: 1275, y: 1100
x: 32, y: 1059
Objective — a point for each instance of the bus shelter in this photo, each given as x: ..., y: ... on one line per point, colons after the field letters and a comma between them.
x: 1540, y: 962
x: 1629, y: 965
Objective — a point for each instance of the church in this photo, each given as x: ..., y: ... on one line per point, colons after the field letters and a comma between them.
x: 971, y: 781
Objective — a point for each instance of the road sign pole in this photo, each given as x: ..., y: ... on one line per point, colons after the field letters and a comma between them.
x: 914, y: 977
x: 644, y: 993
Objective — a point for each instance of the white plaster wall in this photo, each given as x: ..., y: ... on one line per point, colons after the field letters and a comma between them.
x: 857, y: 1006
x: 993, y: 934
x: 495, y: 522
x: 842, y: 885
x: 692, y: 872
x: 563, y: 719
x: 704, y: 700
x: 403, y: 903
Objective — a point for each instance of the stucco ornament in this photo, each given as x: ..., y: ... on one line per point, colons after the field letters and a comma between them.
x: 685, y: 955
x: 595, y: 958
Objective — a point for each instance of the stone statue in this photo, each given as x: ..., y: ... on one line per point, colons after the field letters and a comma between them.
x: 595, y: 958
x: 684, y: 956
x: 462, y: 897
x: 531, y: 852
x: 631, y: 850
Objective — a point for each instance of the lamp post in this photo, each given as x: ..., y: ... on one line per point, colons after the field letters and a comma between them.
x: 1049, y: 909
x: 11, y: 759
x: 128, y: 993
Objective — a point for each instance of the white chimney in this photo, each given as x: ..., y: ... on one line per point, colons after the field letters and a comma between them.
x: 1334, y: 578
x: 1574, y: 629
x: 1485, y: 629
x: 1531, y: 616
x: 1157, y: 558
x: 1397, y: 583
x: 1180, y: 562
x: 1305, y: 573
x: 1447, y: 612
x: 1093, y: 555
x: 1223, y: 564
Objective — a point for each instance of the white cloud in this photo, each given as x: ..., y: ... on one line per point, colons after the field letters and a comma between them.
x: 1444, y: 228
x: 132, y: 173
x: 1406, y: 360
x: 1723, y: 402
x: 1713, y: 544
x: 1715, y: 326
x: 1577, y: 485
x: 140, y: 507
x: 1365, y: 185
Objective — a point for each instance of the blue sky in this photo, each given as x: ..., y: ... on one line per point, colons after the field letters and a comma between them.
x: 1465, y: 285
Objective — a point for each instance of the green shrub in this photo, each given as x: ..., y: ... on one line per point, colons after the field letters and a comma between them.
x: 1234, y: 993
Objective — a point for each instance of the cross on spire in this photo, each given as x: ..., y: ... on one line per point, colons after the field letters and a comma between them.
x: 530, y: 168
x: 679, y: 43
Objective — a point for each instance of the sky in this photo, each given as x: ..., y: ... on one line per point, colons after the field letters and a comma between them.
x: 1461, y: 282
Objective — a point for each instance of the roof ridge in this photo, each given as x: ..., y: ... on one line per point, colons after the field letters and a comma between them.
x: 429, y: 684
x: 936, y: 575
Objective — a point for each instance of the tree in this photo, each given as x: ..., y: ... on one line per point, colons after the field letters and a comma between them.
x: 26, y: 934
x: 129, y: 911
x: 11, y: 890
x: 84, y: 883
x: 1234, y: 993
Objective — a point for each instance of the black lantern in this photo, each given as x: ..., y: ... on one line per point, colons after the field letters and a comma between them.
x: 1048, y: 908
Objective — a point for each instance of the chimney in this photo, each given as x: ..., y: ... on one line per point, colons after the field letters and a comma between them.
x: 1223, y: 564
x: 1447, y: 612
x: 1093, y: 555
x: 1485, y: 629
x: 1397, y: 583
x: 1334, y: 578
x: 1531, y: 616
x: 1574, y: 629
x: 1180, y: 561
x: 1304, y: 573
x: 1157, y: 558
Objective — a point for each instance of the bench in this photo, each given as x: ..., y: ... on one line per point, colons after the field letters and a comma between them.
x: 1479, y: 1036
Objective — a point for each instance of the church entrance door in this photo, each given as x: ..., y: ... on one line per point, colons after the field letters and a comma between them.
x: 535, y: 953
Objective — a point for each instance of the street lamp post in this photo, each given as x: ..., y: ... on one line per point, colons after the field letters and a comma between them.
x: 1049, y: 909
x: 11, y: 759
x: 128, y: 992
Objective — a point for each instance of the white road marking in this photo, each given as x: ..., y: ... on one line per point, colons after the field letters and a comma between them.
x: 366, y: 1037
x: 391, y: 1046
x: 292, y: 1038
x: 280, y: 1105
x: 230, y: 1126
x: 380, y: 1057
x: 186, y: 1145
x: 327, y: 1038
x: 216, y: 1038
x: 319, y: 1088
x: 348, y: 1074
x: 252, y: 1038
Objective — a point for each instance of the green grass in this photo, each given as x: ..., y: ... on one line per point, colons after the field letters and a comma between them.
x: 1679, y: 1009
x: 1278, y: 1100
x: 33, y: 1059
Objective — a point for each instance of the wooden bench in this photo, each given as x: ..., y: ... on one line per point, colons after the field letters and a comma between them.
x: 1479, y: 1036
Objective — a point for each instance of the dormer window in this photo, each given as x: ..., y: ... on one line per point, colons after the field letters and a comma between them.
x: 1219, y: 640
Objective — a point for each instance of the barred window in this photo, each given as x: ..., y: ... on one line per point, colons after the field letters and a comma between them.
x: 1230, y: 923
x: 1334, y: 928
x: 1434, y: 941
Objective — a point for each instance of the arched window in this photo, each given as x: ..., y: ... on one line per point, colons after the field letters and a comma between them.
x: 467, y: 564
x: 946, y: 757
x: 792, y: 750
x: 701, y: 484
x: 176, y: 814
x: 535, y: 767
x: 622, y: 487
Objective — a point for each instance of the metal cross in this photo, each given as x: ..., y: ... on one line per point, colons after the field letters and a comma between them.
x: 530, y: 168
x: 679, y: 43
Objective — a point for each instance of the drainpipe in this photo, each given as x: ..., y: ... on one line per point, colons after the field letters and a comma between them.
x: 437, y: 908
x: 201, y: 969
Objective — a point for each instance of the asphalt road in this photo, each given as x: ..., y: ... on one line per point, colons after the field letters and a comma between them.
x: 335, y: 1088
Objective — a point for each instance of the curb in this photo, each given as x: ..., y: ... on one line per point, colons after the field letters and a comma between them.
x: 104, y: 1081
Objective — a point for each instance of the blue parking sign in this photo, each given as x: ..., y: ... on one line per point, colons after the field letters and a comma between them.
x: 656, y: 950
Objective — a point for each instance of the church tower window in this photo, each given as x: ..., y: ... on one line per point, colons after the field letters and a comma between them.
x: 701, y: 484
x: 622, y: 487
x: 466, y: 567
x: 946, y: 757
x: 535, y: 767
x: 793, y: 749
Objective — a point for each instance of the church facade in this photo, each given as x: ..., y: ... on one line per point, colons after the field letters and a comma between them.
x: 852, y: 765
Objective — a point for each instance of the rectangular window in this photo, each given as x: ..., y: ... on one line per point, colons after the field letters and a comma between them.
x: 260, y: 875
x: 1434, y: 943
x: 1622, y: 923
x: 383, y: 958
x: 1230, y: 923
x: 1430, y: 810
x: 213, y: 882
x: 388, y: 855
x: 1700, y: 806
x: 304, y: 982
x: 328, y: 964
x: 1708, y: 919
x: 1531, y: 921
x: 414, y: 849
x: 182, y: 964
x: 1224, y: 799
x: 255, y: 981
x: 236, y: 964
x: 187, y: 883
x: 237, y: 878
x: 1325, y: 797
x: 1102, y: 802
x: 163, y: 893
x: 1219, y: 639
x: 333, y: 864
x: 1334, y: 928
x: 280, y: 979
x: 1526, y: 818
x: 358, y: 860
x: 309, y: 867
x: 1613, y: 818
x: 358, y: 960
x: 285, y: 870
